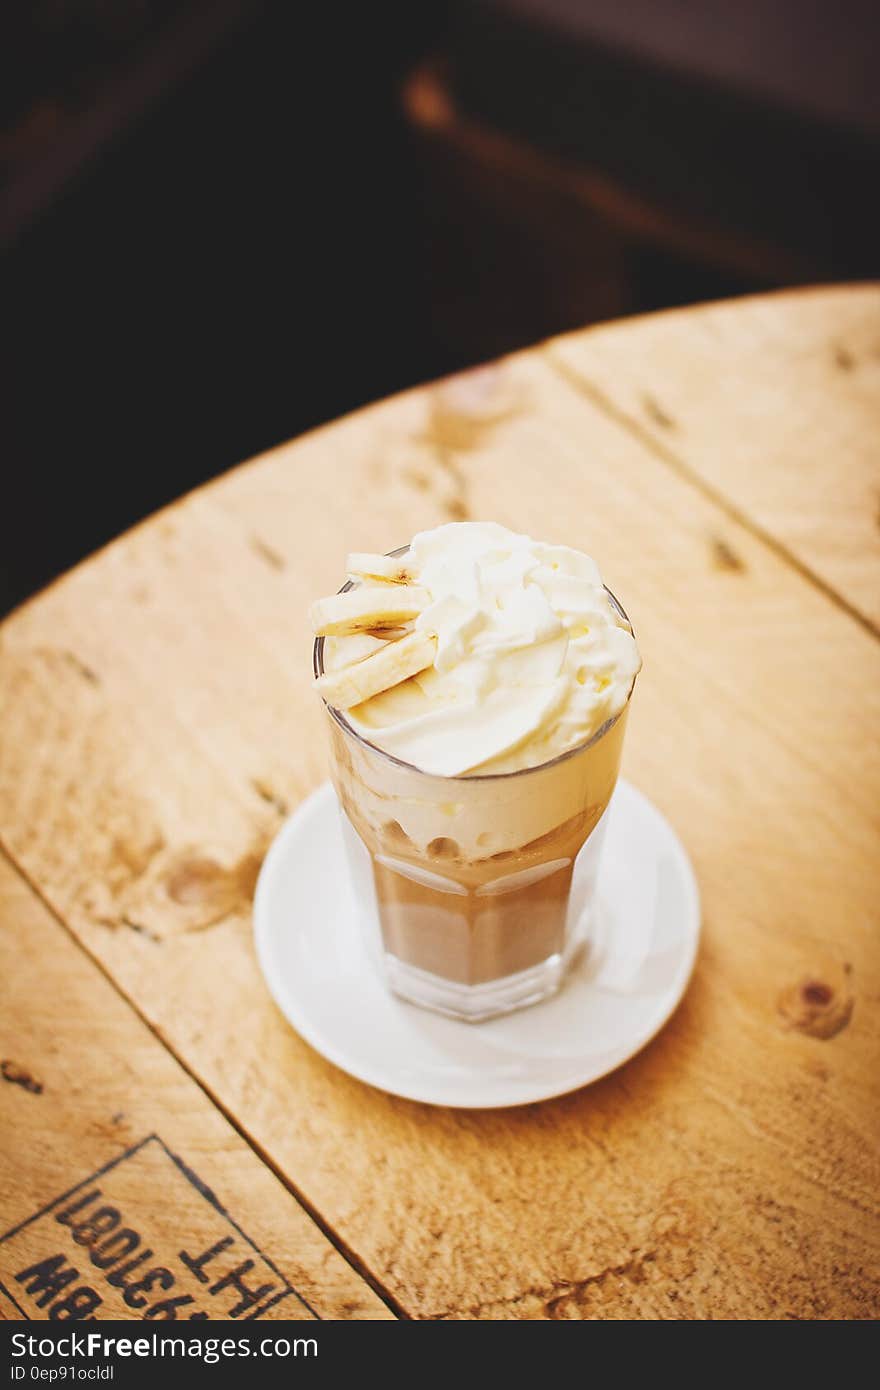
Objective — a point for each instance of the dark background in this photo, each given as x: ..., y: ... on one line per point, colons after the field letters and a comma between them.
x: 224, y: 223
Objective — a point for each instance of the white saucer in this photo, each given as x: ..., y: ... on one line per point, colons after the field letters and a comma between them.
x: 615, y: 999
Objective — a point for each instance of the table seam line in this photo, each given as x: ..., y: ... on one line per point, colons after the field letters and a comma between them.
x: 588, y: 390
x: 341, y: 1246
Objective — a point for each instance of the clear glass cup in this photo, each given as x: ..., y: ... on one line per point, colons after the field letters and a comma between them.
x: 464, y: 884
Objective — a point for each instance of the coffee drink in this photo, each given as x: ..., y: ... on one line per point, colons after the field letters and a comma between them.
x: 474, y: 783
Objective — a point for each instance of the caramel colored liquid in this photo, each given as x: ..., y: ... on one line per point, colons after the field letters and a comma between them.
x: 461, y: 918
x: 476, y: 921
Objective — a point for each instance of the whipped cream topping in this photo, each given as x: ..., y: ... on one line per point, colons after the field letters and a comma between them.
x: 532, y: 656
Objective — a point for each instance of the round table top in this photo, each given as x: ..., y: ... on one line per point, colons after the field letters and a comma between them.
x: 722, y: 464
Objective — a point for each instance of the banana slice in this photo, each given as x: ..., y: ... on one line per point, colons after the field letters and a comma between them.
x: 388, y: 568
x: 391, y: 664
x: 367, y: 609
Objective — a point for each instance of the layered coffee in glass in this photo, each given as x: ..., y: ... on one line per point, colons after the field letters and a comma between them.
x: 472, y: 788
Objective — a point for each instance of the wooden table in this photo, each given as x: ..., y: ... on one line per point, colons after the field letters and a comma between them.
x: 721, y: 463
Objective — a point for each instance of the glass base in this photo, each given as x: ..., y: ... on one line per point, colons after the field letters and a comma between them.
x: 474, y: 1003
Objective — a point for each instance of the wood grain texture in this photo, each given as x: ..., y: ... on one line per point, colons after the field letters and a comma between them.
x: 158, y: 724
x: 85, y: 1087
x: 774, y: 403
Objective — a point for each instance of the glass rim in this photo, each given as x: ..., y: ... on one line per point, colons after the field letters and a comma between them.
x: 340, y: 719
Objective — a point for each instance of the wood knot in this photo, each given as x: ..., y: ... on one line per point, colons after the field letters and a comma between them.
x: 456, y: 509
x: 724, y: 557
x: 658, y: 413
x: 820, y: 1005
x: 208, y: 891
x: 195, y: 880
x: 267, y: 553
x: 814, y: 992
x: 20, y: 1076
x: 466, y: 409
